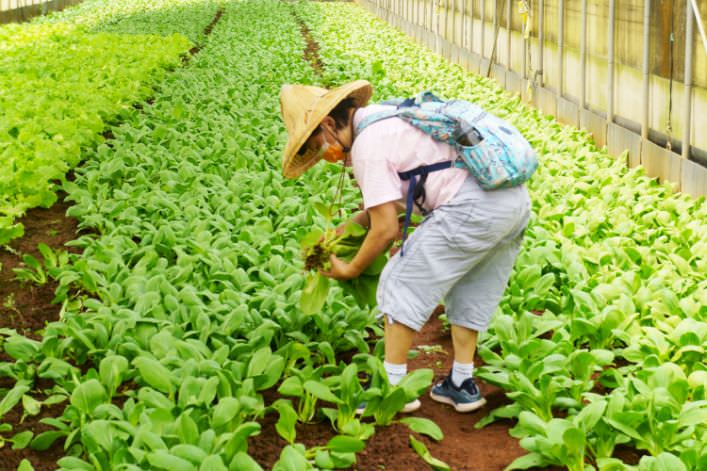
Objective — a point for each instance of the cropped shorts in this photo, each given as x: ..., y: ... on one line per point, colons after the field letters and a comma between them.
x: 462, y: 253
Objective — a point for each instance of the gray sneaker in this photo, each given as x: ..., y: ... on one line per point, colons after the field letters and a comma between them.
x: 465, y: 398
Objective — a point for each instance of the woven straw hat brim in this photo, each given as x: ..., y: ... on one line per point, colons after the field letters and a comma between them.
x: 303, y: 108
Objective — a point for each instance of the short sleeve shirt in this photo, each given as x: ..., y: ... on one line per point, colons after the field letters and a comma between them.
x: 389, y: 146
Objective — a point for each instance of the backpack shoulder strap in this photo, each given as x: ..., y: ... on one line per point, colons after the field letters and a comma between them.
x: 375, y: 117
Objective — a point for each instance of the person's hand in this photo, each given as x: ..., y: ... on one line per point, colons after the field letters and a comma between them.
x: 339, y: 270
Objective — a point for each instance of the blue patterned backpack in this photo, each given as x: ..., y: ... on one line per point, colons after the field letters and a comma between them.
x: 493, y: 151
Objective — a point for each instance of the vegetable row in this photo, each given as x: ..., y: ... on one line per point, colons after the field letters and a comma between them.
x: 600, y: 337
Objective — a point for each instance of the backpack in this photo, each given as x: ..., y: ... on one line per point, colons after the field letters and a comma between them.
x: 491, y: 149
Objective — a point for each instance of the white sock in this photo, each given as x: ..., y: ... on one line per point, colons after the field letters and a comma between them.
x: 395, y: 372
x: 461, y: 371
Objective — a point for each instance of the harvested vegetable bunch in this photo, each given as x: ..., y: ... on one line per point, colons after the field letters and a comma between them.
x: 317, y: 247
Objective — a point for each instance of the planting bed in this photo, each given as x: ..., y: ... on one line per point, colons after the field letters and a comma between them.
x: 178, y: 341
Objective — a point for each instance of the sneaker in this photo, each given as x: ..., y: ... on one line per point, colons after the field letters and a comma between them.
x: 411, y: 406
x: 465, y: 398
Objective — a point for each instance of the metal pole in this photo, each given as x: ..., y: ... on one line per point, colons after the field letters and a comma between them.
x: 438, y: 44
x: 482, y: 16
x: 646, y: 66
x: 508, y: 30
x: 583, y: 55
x: 463, y: 30
x: 454, y: 23
x: 525, y: 50
x: 700, y: 26
x: 471, y: 28
x: 541, y: 37
x: 610, y: 91
x: 496, y: 21
x: 689, y: 39
x: 560, y: 49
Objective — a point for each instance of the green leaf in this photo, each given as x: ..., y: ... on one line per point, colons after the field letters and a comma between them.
x: 13, y: 396
x: 112, y: 370
x: 242, y: 462
x: 285, y: 425
x: 31, y: 405
x: 162, y: 459
x: 291, y: 459
x: 259, y: 362
x: 416, y: 382
x: 590, y: 415
x: 314, y: 294
x: 345, y: 444
x: 291, y: 386
x: 45, y: 439
x: 321, y: 391
x: 423, y: 426
x: 323, y: 460
x: 663, y: 462
x: 191, y: 453
x: 531, y: 460
x: 87, y: 396
x: 225, y: 411
x: 155, y: 374
x: 25, y: 465
x: 215, y: 463
x: 21, y: 440
x: 421, y: 449
x: 73, y: 463
x: 186, y: 429
x: 21, y: 348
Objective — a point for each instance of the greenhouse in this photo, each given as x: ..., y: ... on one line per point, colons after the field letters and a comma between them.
x: 371, y: 235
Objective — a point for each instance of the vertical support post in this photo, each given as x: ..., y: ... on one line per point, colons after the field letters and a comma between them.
x: 482, y: 17
x: 646, y: 66
x: 496, y: 20
x: 454, y: 23
x: 438, y: 43
x: 541, y: 40
x: 525, y: 50
x: 464, y: 25
x: 509, y: 12
x: 689, y: 40
x: 610, y: 59
x: 471, y: 27
x: 583, y: 57
x: 561, y: 49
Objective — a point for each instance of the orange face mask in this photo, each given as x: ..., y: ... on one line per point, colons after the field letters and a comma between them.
x: 332, y: 152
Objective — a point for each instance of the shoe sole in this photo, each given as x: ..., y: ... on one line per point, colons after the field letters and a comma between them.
x: 411, y: 406
x: 468, y: 407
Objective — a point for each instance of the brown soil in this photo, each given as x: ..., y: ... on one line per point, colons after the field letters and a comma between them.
x: 27, y: 308
x: 464, y: 448
x: 207, y: 31
x: 24, y: 306
x: 311, y: 51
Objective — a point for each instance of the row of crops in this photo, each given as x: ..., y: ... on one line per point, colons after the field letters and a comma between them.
x: 183, y: 306
x: 64, y: 80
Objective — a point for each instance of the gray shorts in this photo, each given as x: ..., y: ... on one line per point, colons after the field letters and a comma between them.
x: 462, y: 253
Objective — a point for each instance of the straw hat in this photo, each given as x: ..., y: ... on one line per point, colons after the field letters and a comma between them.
x: 303, y: 107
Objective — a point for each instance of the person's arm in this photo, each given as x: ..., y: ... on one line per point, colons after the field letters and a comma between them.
x: 382, y: 232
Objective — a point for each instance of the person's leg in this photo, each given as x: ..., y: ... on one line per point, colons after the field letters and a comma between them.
x: 464, y: 343
x: 398, y: 340
x: 470, y: 305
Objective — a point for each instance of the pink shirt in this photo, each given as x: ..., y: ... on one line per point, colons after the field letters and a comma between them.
x: 392, y: 145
